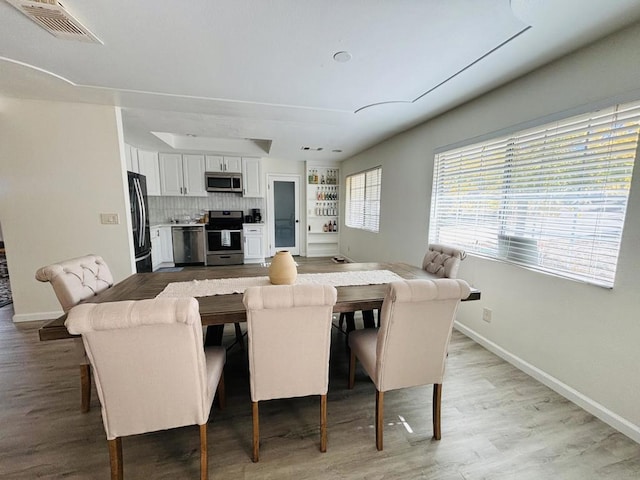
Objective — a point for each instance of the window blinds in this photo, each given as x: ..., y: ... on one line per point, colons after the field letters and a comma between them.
x: 552, y: 198
x: 363, y: 200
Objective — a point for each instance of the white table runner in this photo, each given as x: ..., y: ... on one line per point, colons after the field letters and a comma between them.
x: 225, y: 286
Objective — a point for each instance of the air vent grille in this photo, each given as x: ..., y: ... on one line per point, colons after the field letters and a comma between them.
x: 53, y: 17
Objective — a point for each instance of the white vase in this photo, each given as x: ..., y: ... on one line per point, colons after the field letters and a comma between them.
x: 282, y: 270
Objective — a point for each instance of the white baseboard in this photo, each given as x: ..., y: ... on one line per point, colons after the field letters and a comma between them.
x: 38, y: 316
x: 607, y: 416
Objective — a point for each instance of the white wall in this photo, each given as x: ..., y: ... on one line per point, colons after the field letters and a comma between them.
x: 584, y: 341
x: 61, y: 167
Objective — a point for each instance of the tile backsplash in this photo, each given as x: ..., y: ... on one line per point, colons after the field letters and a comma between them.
x: 164, y: 209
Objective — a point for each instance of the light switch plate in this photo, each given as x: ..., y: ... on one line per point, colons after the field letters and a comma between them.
x: 109, y: 219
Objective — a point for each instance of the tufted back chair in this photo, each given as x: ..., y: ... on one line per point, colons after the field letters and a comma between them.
x: 289, y: 331
x: 76, y: 279
x: 151, y: 369
x: 442, y: 260
x: 410, y: 347
x: 73, y: 281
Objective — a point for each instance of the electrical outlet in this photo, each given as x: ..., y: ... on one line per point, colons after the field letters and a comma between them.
x: 109, y: 219
x: 486, y: 315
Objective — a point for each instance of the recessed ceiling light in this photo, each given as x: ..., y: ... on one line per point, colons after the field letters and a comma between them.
x: 336, y: 150
x: 192, y: 135
x: 342, y: 57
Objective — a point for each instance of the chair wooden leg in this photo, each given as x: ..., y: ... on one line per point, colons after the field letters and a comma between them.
x: 85, y: 387
x: 437, y: 400
x: 204, y: 459
x: 256, y: 432
x: 115, y: 458
x: 379, y: 418
x: 323, y: 423
x: 222, y: 395
x: 352, y: 370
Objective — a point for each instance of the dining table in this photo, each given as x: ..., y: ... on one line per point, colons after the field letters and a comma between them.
x: 220, y: 309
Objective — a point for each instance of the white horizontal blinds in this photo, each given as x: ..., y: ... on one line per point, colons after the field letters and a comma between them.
x: 371, y: 219
x: 363, y: 200
x: 552, y: 197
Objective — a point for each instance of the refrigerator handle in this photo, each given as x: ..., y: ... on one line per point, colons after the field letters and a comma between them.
x: 140, y: 212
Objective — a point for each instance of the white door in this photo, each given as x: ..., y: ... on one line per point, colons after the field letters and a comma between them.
x: 283, y: 211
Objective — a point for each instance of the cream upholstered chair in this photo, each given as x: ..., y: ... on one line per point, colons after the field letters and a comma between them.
x: 73, y: 281
x: 442, y: 260
x: 150, y: 367
x: 289, y: 332
x: 410, y: 347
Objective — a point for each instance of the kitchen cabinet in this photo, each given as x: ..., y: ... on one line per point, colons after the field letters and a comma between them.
x: 131, y: 156
x: 251, y: 177
x: 182, y: 175
x: 219, y: 163
x: 253, y: 242
x: 161, y: 247
x: 156, y: 248
x: 323, y: 209
x: 149, y: 167
x: 166, y: 246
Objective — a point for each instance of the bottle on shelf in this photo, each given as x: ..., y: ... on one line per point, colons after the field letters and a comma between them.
x: 335, y: 226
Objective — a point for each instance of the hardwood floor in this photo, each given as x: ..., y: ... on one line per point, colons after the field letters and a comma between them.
x: 497, y: 423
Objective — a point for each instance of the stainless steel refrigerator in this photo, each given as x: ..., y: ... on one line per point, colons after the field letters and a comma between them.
x: 140, y: 221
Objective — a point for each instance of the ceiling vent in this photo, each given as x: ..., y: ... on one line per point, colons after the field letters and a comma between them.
x: 51, y: 15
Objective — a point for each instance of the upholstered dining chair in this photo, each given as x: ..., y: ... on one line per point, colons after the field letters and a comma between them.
x: 73, y: 281
x: 289, y: 336
x: 410, y: 347
x: 151, y: 369
x: 443, y: 260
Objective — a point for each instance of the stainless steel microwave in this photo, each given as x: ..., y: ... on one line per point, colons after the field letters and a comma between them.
x: 223, y: 182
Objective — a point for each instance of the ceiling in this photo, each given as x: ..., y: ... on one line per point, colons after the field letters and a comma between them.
x: 259, y: 78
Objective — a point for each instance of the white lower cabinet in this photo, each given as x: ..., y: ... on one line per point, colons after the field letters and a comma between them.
x: 161, y: 247
x: 166, y: 246
x: 253, y: 242
x: 156, y: 248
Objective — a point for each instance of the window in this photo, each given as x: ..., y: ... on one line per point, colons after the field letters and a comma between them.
x: 363, y: 200
x: 552, y: 198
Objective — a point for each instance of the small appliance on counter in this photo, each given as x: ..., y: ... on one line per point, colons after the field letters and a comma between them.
x: 257, y: 217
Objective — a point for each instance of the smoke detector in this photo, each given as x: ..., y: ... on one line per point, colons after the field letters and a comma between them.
x: 52, y: 16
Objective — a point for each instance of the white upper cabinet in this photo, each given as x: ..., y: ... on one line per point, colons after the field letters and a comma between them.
x: 193, y: 171
x: 251, y: 181
x: 182, y: 175
x: 171, y: 179
x: 148, y: 166
x: 131, y: 155
x: 218, y: 163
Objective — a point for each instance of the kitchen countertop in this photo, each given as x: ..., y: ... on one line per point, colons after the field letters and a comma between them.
x: 181, y: 224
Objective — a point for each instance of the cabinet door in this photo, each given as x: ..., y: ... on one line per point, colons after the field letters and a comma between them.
x: 253, y: 248
x: 156, y: 248
x: 166, y: 248
x: 131, y: 155
x: 251, y: 182
x: 171, y: 183
x: 214, y: 163
x: 193, y: 174
x: 148, y: 163
x: 253, y: 243
x: 233, y: 164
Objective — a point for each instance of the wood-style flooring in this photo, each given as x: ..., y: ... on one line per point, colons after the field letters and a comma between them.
x: 497, y: 423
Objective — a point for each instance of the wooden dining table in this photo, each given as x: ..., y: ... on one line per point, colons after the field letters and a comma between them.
x: 222, y: 309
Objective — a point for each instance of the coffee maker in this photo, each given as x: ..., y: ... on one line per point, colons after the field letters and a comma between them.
x: 255, y: 213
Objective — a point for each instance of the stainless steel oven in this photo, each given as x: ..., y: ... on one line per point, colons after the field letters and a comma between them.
x: 225, y: 243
